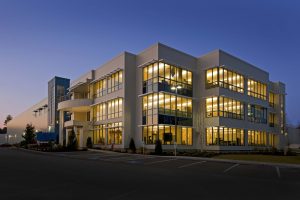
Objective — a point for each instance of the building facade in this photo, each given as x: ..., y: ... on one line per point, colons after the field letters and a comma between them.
x: 214, y: 102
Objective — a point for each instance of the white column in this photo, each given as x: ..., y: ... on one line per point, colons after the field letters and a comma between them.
x: 61, y: 127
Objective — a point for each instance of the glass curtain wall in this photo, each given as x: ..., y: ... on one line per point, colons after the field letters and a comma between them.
x: 224, y: 136
x: 221, y: 77
x: 162, y: 77
x: 257, y: 89
x: 224, y: 107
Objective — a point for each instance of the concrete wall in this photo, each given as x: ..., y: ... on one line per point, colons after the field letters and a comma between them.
x: 15, y: 128
x: 293, y: 137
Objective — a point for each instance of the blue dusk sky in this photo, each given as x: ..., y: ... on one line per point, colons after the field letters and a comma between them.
x: 40, y: 39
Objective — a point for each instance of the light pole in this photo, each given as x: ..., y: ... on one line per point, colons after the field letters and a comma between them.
x: 176, y: 87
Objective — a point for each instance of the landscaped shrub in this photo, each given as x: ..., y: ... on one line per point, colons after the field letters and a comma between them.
x: 158, y: 147
x: 89, y: 143
x: 132, y: 146
x: 29, y: 135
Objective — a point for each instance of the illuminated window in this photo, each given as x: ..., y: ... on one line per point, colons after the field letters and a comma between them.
x: 163, y: 77
x: 114, y: 133
x: 99, y: 134
x: 115, y: 108
x: 99, y: 112
x: 221, y: 77
x: 271, y: 119
x: 271, y: 140
x: 224, y: 136
x: 161, y: 108
x: 224, y: 107
x: 257, y: 138
x: 257, y: 89
x: 167, y: 134
x: 272, y: 99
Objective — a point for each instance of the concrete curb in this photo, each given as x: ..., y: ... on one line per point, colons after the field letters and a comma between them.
x: 244, y: 162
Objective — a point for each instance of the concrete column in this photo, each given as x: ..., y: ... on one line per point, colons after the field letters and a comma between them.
x: 61, y: 127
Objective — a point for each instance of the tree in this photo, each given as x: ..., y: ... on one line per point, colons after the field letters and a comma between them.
x: 132, y: 146
x: 72, y: 141
x: 158, y: 147
x: 8, y: 118
x: 29, y: 135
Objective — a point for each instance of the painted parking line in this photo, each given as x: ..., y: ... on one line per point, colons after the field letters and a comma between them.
x: 160, y: 161
x: 191, y: 164
x: 230, y: 168
x: 278, y: 172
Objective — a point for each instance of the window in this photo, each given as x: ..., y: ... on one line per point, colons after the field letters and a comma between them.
x: 161, y: 108
x: 271, y: 140
x: 224, y: 136
x: 224, y: 107
x: 99, y: 134
x: 107, y: 85
x: 257, y: 89
x: 221, y: 77
x: 272, y: 99
x: 257, y: 138
x: 163, y: 77
x: 115, y: 108
x: 257, y: 114
x: 114, y: 133
x: 99, y: 112
x: 99, y: 88
x: 271, y: 119
x: 114, y: 81
x: 167, y: 134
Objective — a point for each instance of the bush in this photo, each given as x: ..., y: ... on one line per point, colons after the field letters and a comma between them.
x: 158, y: 147
x: 29, y: 135
x: 72, y: 141
x: 132, y: 146
x: 89, y: 142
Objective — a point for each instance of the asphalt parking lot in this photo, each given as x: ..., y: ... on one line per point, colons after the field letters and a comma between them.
x: 110, y: 175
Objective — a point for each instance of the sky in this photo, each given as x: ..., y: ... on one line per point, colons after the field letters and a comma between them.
x: 40, y: 39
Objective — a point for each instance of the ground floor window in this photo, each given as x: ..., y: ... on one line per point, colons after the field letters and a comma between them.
x: 224, y: 136
x: 168, y: 134
x: 99, y: 134
x: 114, y: 133
x: 257, y: 138
x: 272, y: 139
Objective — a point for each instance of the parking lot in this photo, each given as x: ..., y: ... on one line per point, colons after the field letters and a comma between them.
x: 201, y: 166
x: 108, y: 175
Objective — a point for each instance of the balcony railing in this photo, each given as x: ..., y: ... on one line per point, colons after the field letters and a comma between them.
x: 73, y: 96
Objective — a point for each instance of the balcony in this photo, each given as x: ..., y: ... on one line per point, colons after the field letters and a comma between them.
x: 80, y: 104
x: 72, y: 123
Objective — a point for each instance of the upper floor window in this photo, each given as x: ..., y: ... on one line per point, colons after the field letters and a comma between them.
x: 99, y: 112
x: 257, y: 89
x: 100, y: 88
x: 161, y: 108
x: 272, y: 99
x: 221, y: 77
x: 107, y: 85
x: 114, y: 81
x: 164, y: 77
x: 224, y: 107
x: 115, y: 108
x: 257, y: 114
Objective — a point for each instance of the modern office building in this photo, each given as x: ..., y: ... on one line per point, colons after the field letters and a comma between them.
x: 215, y: 102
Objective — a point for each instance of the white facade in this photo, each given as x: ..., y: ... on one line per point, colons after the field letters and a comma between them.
x: 36, y: 115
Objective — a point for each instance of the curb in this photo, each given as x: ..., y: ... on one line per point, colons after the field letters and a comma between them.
x: 211, y: 159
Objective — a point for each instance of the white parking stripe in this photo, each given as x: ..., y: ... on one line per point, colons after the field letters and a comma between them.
x: 278, y: 172
x: 191, y: 164
x: 230, y: 168
x: 160, y: 161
